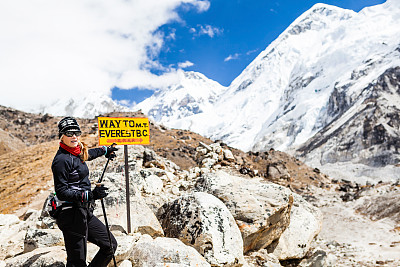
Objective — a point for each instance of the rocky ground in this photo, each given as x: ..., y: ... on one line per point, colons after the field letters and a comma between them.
x: 352, y: 231
x: 29, y: 142
x: 355, y: 230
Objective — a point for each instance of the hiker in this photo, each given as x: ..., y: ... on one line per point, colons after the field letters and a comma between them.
x: 72, y: 187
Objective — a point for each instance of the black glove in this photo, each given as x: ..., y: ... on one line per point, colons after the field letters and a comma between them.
x: 111, y: 152
x: 99, y: 192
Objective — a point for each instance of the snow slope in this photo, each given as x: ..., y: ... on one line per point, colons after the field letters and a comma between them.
x: 314, y: 73
x: 193, y: 94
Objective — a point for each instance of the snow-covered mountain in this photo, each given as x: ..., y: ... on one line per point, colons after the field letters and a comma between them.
x: 193, y: 94
x: 366, y: 129
x: 309, y: 90
x: 88, y: 106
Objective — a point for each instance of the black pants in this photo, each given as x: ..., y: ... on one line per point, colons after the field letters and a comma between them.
x: 79, y: 225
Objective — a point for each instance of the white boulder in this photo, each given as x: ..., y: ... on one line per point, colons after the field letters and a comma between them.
x: 203, y: 221
x: 261, y: 210
x: 164, y: 251
x: 36, y: 238
x: 12, y: 235
x: 305, y: 225
x: 41, y: 257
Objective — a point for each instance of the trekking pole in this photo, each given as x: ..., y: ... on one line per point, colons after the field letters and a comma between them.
x: 104, y: 210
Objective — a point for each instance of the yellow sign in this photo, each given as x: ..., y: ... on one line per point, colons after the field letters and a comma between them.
x: 123, y: 131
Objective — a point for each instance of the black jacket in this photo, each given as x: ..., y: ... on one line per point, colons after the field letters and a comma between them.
x: 71, y: 175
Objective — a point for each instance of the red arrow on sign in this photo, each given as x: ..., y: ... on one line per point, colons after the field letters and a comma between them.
x: 140, y: 140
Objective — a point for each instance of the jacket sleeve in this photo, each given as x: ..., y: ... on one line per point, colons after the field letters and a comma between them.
x: 61, y: 169
x: 96, y: 152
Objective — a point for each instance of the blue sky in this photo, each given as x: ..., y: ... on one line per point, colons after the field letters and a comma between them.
x: 76, y: 49
x: 223, y: 40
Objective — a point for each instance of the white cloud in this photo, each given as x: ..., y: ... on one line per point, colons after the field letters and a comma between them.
x: 232, y: 57
x: 206, y: 30
x: 147, y: 80
x: 202, y: 5
x: 209, y: 30
x: 251, y: 52
x: 185, y: 64
x: 172, y: 35
x: 53, y: 49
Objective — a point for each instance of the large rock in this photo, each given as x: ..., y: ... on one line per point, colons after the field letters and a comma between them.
x: 125, y: 246
x: 12, y: 235
x: 305, y: 225
x: 142, y: 218
x: 261, y: 210
x: 202, y: 221
x: 228, y: 155
x: 262, y: 258
x: 7, y: 220
x: 319, y: 258
x: 41, y: 257
x: 124, y: 249
x: 164, y: 251
x: 36, y: 238
x: 153, y: 184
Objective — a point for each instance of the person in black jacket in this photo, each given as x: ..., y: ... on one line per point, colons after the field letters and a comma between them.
x: 72, y: 187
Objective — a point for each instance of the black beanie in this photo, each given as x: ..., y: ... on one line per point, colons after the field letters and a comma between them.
x: 67, y: 124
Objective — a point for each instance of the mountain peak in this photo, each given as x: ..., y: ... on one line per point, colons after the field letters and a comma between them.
x: 194, y: 75
x: 312, y: 75
x: 324, y: 9
x: 319, y: 17
x: 194, y: 94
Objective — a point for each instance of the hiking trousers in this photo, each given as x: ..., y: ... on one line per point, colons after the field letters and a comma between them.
x: 78, y: 226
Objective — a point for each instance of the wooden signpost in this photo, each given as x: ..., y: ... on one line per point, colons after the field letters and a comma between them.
x: 124, y: 131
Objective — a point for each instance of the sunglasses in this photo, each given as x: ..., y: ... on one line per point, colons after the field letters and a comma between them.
x: 70, y: 133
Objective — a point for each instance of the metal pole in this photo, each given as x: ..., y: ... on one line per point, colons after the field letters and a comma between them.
x: 105, y: 215
x: 102, y: 175
x: 128, y: 205
x: 104, y: 171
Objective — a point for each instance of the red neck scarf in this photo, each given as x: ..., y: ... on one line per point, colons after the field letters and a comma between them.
x: 73, y: 150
